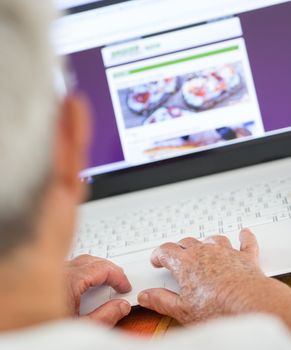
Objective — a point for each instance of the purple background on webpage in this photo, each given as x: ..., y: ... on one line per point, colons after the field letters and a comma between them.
x: 268, y: 39
x: 106, y: 146
x: 267, y: 33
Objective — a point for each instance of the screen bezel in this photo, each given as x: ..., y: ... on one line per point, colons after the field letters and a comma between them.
x: 191, y: 166
x: 230, y: 157
x: 94, y: 5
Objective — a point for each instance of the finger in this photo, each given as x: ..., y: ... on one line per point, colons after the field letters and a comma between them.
x: 114, y: 277
x: 160, y: 300
x: 249, y: 243
x: 188, y: 242
x: 166, y: 255
x: 102, y: 272
x: 110, y: 313
x: 219, y: 240
x: 84, y: 260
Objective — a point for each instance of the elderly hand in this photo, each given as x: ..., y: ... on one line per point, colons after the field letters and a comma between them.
x: 214, y: 279
x: 87, y: 271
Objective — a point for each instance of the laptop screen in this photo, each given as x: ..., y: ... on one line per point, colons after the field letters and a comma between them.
x: 171, y: 77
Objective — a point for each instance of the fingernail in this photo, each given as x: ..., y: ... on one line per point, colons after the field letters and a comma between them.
x: 143, y: 298
x: 125, y: 308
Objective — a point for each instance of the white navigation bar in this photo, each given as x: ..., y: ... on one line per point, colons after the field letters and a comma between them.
x: 166, y: 43
x: 136, y: 18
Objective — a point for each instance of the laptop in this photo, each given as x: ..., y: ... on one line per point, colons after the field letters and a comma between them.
x: 192, y: 128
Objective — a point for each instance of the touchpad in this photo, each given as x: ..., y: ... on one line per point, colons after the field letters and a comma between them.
x: 142, y: 276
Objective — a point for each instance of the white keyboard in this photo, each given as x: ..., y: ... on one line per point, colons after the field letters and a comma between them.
x: 199, y: 217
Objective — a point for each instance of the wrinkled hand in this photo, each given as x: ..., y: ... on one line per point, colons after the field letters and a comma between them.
x: 214, y: 278
x: 87, y: 271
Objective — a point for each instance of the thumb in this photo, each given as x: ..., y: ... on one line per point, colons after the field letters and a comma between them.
x: 110, y: 313
x: 249, y: 243
x: 160, y: 300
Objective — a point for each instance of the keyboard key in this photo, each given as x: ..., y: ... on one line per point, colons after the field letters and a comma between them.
x: 199, y: 217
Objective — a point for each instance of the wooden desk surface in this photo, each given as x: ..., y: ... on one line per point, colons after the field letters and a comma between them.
x: 146, y: 323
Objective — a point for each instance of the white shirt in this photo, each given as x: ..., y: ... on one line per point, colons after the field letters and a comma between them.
x: 244, y: 333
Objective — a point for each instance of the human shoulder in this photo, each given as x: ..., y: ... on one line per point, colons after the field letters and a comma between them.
x: 240, y: 333
x: 249, y: 332
x: 65, y: 335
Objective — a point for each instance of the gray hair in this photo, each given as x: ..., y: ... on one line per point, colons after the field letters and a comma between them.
x: 28, y: 108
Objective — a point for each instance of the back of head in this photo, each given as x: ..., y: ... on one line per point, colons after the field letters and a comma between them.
x: 27, y: 115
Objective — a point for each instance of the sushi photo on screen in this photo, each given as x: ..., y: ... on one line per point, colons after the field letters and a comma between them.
x: 183, y: 96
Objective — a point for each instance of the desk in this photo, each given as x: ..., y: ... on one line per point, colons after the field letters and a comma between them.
x: 147, y: 323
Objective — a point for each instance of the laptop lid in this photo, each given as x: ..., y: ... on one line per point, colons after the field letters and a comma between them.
x: 179, y: 88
